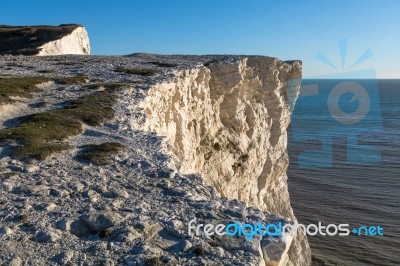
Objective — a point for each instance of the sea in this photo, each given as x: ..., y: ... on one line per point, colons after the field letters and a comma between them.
x: 344, y: 152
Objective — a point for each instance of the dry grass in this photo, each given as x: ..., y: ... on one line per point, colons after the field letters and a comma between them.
x: 25, y: 86
x: 22, y: 87
x: 40, y: 135
x: 162, y: 64
x: 100, y: 154
x: 136, y: 71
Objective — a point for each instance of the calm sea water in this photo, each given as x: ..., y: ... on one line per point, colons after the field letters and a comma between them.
x: 359, y: 188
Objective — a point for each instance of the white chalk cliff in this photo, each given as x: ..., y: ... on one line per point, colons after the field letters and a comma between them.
x: 228, y: 121
x: 44, y: 40
x: 77, y: 42
x: 203, y: 137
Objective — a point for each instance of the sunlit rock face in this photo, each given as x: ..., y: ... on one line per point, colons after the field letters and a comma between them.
x: 227, y: 120
x: 44, y: 40
x: 201, y: 138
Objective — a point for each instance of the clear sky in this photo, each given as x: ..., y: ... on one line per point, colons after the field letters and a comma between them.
x: 283, y: 29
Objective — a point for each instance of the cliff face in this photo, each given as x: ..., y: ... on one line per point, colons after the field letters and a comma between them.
x: 98, y: 189
x: 44, y: 40
x: 228, y: 121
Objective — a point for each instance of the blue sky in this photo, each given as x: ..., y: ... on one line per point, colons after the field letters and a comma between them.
x: 283, y: 29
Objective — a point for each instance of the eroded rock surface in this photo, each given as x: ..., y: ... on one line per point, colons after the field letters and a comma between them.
x: 228, y: 121
x: 204, y: 138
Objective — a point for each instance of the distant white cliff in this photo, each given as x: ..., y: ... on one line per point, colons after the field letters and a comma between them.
x: 44, y: 40
x: 77, y: 42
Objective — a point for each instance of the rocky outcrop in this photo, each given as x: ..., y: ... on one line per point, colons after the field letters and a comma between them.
x: 44, y: 40
x: 222, y: 159
x: 228, y: 121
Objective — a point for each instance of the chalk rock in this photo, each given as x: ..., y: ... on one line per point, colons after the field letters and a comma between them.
x: 44, y: 40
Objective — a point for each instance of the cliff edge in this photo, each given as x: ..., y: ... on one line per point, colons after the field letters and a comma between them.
x: 44, y: 40
x: 111, y: 166
x: 228, y: 121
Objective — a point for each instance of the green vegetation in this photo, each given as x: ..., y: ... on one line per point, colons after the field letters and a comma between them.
x: 38, y: 134
x: 100, y: 154
x: 22, y: 87
x: 93, y: 109
x: 41, y: 134
x: 161, y: 64
x: 25, y: 86
x: 134, y: 71
x: 105, y: 233
x: 44, y: 71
